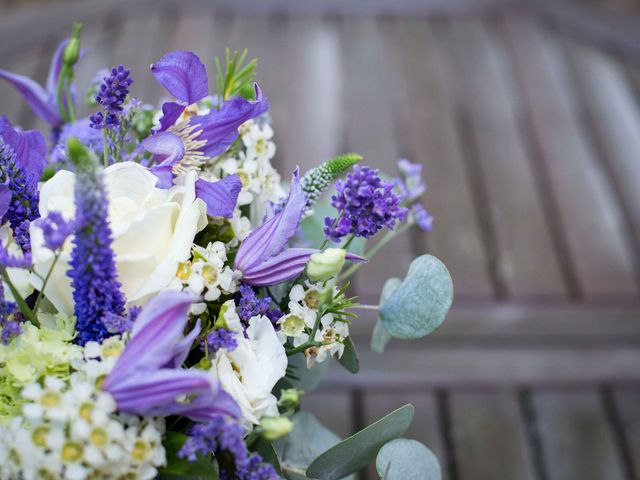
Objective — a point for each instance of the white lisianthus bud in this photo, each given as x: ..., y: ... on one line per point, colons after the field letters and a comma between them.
x: 324, y: 265
x: 275, y: 427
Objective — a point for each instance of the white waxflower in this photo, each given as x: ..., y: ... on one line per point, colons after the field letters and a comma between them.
x: 206, y: 274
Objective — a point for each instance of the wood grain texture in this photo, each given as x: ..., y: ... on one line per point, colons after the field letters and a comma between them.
x: 627, y: 405
x: 576, y: 440
x: 333, y: 409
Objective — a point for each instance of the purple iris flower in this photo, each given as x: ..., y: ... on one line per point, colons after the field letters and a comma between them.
x: 263, y: 257
x: 183, y: 144
x: 147, y: 378
x: 42, y: 100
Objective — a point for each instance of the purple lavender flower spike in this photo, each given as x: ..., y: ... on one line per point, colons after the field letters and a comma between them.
x: 220, y: 196
x: 183, y: 75
x: 146, y: 381
x: 5, y: 199
x: 43, y: 101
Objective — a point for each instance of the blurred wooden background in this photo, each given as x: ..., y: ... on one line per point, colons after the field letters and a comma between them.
x: 526, y: 117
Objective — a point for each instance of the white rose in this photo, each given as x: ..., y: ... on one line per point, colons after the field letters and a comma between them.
x: 252, y: 369
x: 153, y: 231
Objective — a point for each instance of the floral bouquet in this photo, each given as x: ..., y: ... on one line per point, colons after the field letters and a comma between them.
x: 164, y: 295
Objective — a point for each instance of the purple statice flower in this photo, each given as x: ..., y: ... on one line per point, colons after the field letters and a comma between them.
x: 96, y: 290
x: 55, y: 230
x: 112, y: 94
x: 147, y: 379
x: 42, y: 100
x: 423, y: 219
x: 9, y: 325
x: 80, y: 129
x: 224, y: 438
x: 220, y: 338
x: 263, y: 257
x: 181, y: 145
x: 365, y: 204
x: 412, y: 185
x: 249, y: 305
x: 22, y: 159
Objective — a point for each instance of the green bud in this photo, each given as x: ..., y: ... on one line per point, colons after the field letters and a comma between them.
x: 273, y: 428
x: 204, y: 364
x: 324, y: 265
x: 221, y: 322
x: 289, y: 398
x: 71, y: 52
x: 80, y: 156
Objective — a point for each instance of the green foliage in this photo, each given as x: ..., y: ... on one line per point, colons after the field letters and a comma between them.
x: 81, y: 157
x: 317, y: 180
x: 380, y: 336
x: 349, y: 358
x: 403, y: 459
x: 181, y: 468
x: 421, y: 303
x: 357, y: 451
x: 236, y: 77
x: 308, y: 439
x: 339, y: 165
x: 267, y: 452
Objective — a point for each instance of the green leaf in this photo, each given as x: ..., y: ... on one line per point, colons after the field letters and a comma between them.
x: 380, y: 336
x: 307, y: 379
x: 403, y: 459
x: 357, y: 451
x: 349, y: 358
x: 421, y: 303
x: 203, y: 468
x: 267, y: 452
x: 308, y: 439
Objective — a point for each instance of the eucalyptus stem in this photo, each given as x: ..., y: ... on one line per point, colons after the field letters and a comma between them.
x: 45, y: 281
x: 24, y: 308
x: 390, y: 235
x: 366, y: 307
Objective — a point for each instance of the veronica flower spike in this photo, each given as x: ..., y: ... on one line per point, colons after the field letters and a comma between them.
x: 263, y: 258
x: 42, y: 100
x: 147, y: 379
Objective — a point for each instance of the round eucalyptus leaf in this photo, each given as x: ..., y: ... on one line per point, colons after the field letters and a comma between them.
x: 380, y: 336
x: 421, y: 303
x: 403, y: 459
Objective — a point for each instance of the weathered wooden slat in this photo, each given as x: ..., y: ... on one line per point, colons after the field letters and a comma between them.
x: 370, y: 98
x: 489, y: 437
x: 433, y: 366
x: 576, y: 440
x: 311, y: 79
x: 527, y: 261
x: 627, y: 404
x: 333, y: 409
x: 615, y: 117
x: 428, y: 120
x: 426, y: 426
x: 586, y: 205
x: 198, y: 33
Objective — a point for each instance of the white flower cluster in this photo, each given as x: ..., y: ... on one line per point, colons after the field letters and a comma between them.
x: 304, y: 305
x: 69, y: 430
x: 206, y: 273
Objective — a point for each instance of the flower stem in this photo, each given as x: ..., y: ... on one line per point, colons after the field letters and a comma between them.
x: 390, y: 235
x: 45, y: 281
x: 60, y: 93
x: 105, y: 148
x: 24, y: 308
x: 366, y: 307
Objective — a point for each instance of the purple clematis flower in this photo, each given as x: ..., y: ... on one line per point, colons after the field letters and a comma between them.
x: 42, y: 100
x: 28, y: 146
x: 147, y: 379
x: 181, y: 144
x: 263, y: 257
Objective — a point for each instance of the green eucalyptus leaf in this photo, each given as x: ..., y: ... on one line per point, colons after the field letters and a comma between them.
x: 308, y: 439
x: 349, y: 358
x: 307, y: 379
x: 380, y: 336
x: 357, y: 451
x: 267, y: 452
x: 202, y: 468
x: 403, y: 459
x: 421, y: 303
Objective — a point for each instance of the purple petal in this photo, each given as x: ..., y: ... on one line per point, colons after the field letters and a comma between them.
x: 279, y: 268
x: 206, y: 406
x: 165, y: 176
x: 36, y: 97
x: 166, y: 147
x: 183, y: 75
x: 5, y: 198
x: 171, y: 111
x: 29, y: 146
x: 154, y: 334
x: 55, y: 67
x: 220, y: 127
x: 181, y: 349
x: 352, y: 257
x: 272, y: 236
x: 220, y: 196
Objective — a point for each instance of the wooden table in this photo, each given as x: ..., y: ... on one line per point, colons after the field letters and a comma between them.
x: 529, y: 133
